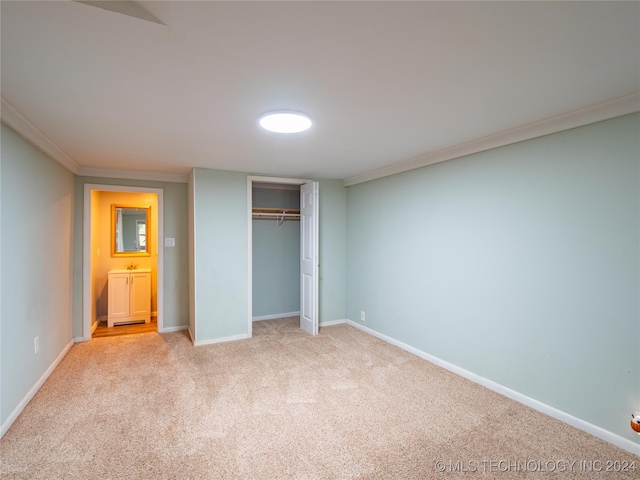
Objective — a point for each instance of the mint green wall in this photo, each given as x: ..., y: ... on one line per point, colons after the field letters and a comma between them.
x: 276, y: 255
x: 518, y: 264
x: 220, y: 302
x: 275, y: 197
x: 333, y: 251
x: 176, y: 259
x: 37, y: 224
x: 220, y: 254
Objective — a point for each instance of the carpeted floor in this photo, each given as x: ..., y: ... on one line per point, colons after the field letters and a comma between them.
x: 342, y: 405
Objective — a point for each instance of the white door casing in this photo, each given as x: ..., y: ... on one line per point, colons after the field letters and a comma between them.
x: 87, y: 295
x: 309, y: 257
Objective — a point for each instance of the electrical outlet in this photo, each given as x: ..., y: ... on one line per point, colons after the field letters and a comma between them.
x: 36, y: 344
x: 362, y: 316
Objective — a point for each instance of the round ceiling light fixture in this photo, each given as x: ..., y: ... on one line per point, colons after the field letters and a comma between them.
x: 285, y: 121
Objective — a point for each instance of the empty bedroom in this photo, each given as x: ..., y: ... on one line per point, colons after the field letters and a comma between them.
x: 319, y: 240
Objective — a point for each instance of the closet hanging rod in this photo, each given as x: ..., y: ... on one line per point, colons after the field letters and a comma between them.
x: 280, y: 214
x: 276, y: 215
x: 276, y: 211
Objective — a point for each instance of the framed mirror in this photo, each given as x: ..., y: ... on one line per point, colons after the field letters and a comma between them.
x: 129, y: 230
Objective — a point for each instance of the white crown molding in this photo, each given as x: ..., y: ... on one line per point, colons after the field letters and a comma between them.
x: 578, y: 118
x: 14, y: 119
x: 132, y: 175
x: 23, y: 127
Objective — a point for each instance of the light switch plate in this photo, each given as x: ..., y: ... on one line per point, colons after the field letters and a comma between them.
x: 169, y: 242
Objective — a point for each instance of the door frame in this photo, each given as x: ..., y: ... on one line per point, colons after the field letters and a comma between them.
x: 86, y: 251
x: 251, y: 179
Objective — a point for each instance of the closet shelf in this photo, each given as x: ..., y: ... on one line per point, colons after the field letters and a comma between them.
x: 280, y: 214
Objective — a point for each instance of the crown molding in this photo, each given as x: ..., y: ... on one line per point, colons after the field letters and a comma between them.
x: 133, y: 175
x: 27, y: 130
x: 578, y: 118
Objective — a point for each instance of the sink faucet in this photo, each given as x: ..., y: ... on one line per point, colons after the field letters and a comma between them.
x: 131, y: 266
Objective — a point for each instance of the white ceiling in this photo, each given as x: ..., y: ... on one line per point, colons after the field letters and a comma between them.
x: 385, y: 82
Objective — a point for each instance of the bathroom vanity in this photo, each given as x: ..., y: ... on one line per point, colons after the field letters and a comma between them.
x: 129, y: 294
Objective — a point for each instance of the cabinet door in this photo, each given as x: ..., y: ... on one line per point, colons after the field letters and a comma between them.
x: 140, y: 292
x: 118, y: 295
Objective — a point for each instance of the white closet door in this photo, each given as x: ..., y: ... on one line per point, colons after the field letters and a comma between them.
x: 309, y: 257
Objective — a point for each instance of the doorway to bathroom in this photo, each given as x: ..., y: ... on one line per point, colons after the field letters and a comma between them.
x: 108, y: 209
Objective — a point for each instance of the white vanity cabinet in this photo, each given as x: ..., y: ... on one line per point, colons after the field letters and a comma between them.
x: 129, y: 293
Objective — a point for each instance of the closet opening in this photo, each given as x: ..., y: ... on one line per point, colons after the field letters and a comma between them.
x: 283, y: 259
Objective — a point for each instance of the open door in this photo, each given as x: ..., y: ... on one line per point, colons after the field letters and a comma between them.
x: 309, y: 257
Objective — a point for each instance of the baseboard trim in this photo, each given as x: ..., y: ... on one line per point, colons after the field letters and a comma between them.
x: 275, y: 315
x: 232, y: 338
x: 553, y: 412
x: 95, y: 324
x: 332, y: 322
x: 27, y: 398
x: 179, y: 328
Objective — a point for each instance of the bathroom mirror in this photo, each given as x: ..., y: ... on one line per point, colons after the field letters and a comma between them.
x: 129, y: 230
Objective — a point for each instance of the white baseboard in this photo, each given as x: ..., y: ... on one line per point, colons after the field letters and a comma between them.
x: 179, y: 328
x: 276, y: 315
x: 232, y: 338
x: 27, y: 398
x: 95, y: 324
x: 332, y: 322
x: 553, y: 412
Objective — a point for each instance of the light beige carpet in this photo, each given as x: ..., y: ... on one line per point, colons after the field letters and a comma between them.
x: 342, y: 405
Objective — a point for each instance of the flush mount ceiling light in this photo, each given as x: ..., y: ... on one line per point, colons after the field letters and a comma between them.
x: 285, y: 121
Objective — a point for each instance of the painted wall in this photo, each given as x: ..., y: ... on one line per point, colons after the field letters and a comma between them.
x: 220, y: 254
x: 276, y: 255
x: 37, y: 224
x: 219, y: 298
x: 101, y: 245
x: 191, y: 211
x: 333, y: 251
x: 176, y: 263
x: 518, y: 264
